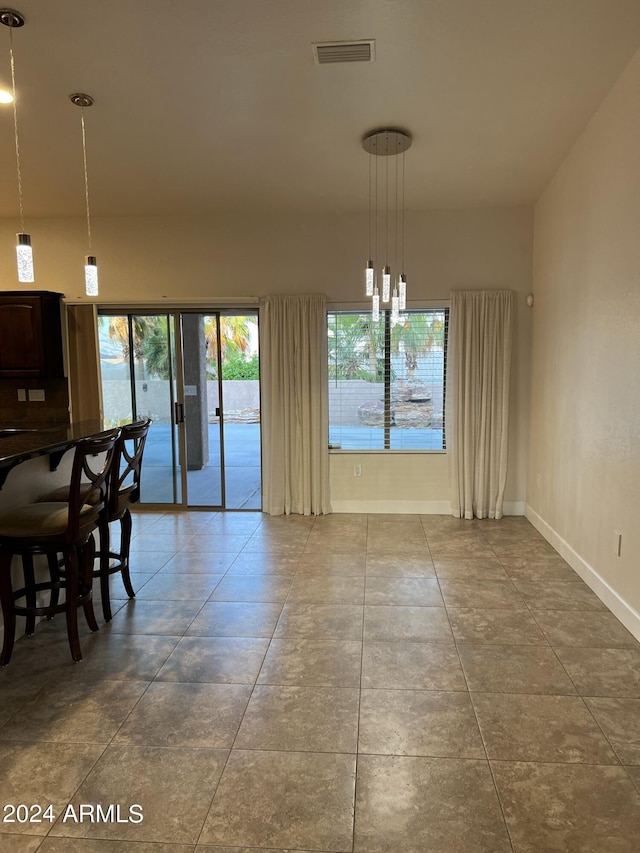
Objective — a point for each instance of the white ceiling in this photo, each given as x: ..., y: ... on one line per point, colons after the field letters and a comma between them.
x: 216, y: 105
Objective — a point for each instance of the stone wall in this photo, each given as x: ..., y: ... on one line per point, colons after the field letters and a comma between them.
x: 349, y: 397
x: 241, y: 399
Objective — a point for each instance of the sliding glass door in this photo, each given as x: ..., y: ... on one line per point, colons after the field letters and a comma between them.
x: 197, y: 376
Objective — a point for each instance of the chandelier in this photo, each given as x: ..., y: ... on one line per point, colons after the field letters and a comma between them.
x: 391, y: 144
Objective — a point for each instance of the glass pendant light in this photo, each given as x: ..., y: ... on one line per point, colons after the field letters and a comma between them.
x: 24, y: 259
x: 386, y: 283
x: 369, y: 277
x: 402, y: 292
x: 375, y: 306
x: 91, y: 266
x: 91, y: 276
x: 24, y: 254
x: 395, y: 307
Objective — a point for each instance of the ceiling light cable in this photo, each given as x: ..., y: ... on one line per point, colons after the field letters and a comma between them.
x: 386, y: 273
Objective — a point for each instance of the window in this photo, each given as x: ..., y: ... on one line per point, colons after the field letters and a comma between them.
x: 386, y: 381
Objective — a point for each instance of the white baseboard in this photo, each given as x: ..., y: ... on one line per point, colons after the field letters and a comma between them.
x: 513, y: 508
x: 413, y: 507
x: 399, y: 507
x: 629, y: 617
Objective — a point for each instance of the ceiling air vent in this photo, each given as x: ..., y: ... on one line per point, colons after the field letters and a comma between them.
x: 325, y: 53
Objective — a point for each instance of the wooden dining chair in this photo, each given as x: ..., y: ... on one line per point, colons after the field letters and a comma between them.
x: 124, y: 490
x: 53, y: 528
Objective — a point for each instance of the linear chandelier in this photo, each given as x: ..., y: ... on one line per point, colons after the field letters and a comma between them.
x: 388, y: 143
x: 24, y: 255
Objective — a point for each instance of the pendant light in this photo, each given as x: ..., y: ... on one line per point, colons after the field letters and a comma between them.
x: 91, y: 266
x: 387, y: 143
x: 395, y: 299
x: 24, y: 255
x: 369, y: 275
x: 402, y: 281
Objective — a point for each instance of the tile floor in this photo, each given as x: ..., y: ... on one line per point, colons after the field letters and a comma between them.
x: 346, y: 683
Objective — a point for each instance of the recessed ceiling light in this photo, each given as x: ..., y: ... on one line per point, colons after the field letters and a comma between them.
x: 5, y: 97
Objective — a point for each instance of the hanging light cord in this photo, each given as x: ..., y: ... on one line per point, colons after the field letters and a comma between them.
x: 396, y: 208
x: 386, y: 206
x: 15, y: 127
x: 370, y: 204
x: 376, y: 224
x: 402, y: 227
x: 86, y: 175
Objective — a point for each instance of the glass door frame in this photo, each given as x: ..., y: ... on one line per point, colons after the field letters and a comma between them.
x: 174, y: 315
x: 182, y: 432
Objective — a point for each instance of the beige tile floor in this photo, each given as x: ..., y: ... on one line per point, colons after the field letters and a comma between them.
x: 347, y: 683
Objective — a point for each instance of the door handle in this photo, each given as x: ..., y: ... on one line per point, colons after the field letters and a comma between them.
x: 178, y: 412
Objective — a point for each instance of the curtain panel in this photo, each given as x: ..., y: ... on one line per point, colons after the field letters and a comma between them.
x: 293, y: 365
x: 477, y: 401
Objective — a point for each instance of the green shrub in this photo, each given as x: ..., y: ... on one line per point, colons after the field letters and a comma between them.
x: 237, y: 366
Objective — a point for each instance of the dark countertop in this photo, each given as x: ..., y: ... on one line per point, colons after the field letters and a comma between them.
x: 42, y: 440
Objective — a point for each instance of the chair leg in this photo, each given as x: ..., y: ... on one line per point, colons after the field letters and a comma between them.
x: 30, y: 593
x: 87, y: 557
x: 71, y: 608
x: 54, y: 571
x: 8, y: 616
x: 125, y: 547
x: 104, y: 571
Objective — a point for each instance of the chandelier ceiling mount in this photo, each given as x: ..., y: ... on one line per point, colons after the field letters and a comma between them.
x: 11, y: 18
x: 386, y: 142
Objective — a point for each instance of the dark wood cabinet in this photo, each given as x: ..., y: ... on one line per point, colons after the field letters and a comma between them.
x: 30, y: 334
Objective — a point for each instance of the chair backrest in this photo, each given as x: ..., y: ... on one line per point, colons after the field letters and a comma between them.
x: 127, y: 467
x: 90, y: 480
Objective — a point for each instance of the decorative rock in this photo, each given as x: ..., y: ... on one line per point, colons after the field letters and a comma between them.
x: 407, y: 390
x: 237, y: 416
x: 371, y: 414
x: 412, y: 415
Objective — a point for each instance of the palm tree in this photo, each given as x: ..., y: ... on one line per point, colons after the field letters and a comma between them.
x: 234, y: 339
x: 151, y: 341
x: 356, y: 347
x: 156, y: 350
x: 118, y: 330
x: 417, y: 334
x: 234, y: 335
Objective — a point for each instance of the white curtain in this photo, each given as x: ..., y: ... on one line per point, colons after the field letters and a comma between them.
x: 293, y: 364
x: 477, y: 407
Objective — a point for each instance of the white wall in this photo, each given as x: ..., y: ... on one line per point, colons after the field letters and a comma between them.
x: 584, y: 468
x: 159, y: 259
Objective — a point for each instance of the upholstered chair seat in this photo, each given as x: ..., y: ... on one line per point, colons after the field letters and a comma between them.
x: 42, y: 520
